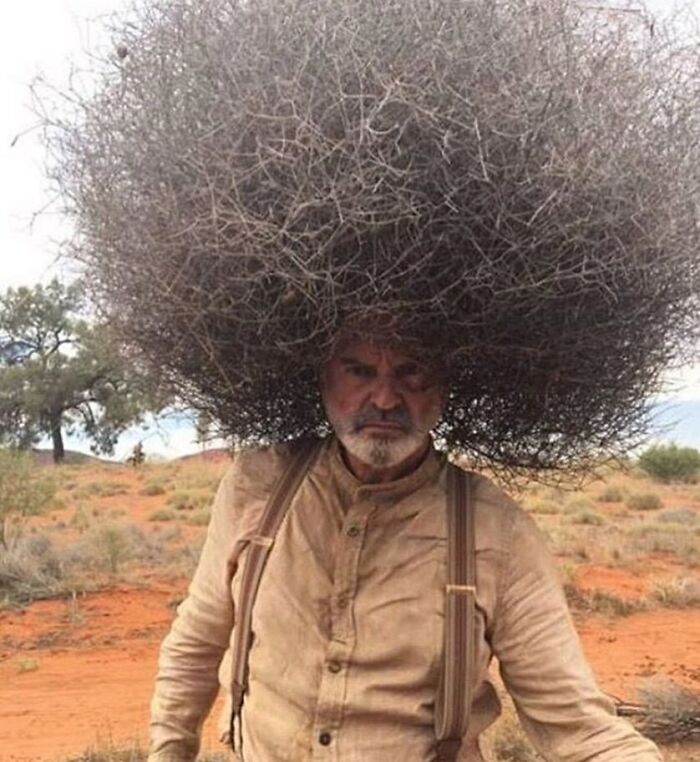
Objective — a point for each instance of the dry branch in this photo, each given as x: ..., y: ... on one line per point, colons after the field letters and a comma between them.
x: 511, y: 183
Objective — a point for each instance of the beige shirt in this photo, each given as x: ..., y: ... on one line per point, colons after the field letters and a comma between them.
x: 348, y: 626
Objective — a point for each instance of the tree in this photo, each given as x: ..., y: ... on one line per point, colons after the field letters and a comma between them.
x: 61, y: 374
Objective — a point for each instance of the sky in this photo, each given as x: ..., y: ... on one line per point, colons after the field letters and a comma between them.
x: 43, y: 37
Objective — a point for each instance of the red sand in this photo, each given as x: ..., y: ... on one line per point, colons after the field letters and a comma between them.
x: 96, y: 660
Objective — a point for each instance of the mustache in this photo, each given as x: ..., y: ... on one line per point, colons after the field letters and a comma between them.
x: 399, y: 417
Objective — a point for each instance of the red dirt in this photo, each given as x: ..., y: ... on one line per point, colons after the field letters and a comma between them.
x: 77, y: 673
x: 96, y: 661
x: 94, y: 672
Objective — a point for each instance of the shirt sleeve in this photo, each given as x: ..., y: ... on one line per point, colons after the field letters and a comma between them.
x: 561, y: 708
x: 187, y: 678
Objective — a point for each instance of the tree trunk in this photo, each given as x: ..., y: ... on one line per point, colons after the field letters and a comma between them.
x: 59, y: 452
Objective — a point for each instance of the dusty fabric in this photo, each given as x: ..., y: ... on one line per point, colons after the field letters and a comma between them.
x: 348, y: 626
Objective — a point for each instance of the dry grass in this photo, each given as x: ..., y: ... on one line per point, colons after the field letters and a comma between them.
x: 666, y: 712
x: 107, y: 751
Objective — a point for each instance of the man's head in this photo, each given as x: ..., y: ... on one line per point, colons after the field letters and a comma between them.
x: 381, y: 402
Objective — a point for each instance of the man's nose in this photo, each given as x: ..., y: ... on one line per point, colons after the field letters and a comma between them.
x: 385, y: 395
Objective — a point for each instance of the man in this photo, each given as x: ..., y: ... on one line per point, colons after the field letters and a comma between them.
x: 348, y: 620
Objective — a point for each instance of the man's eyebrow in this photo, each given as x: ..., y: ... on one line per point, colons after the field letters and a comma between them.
x: 353, y: 361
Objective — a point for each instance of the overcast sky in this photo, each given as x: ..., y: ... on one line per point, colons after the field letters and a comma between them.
x: 42, y: 37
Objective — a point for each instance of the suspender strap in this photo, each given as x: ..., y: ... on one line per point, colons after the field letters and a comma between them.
x: 454, y: 698
x: 258, y: 551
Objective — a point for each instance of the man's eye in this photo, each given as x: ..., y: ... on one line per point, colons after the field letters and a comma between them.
x: 361, y: 371
x: 411, y: 373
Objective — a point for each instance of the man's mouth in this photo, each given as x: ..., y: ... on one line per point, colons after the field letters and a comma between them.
x: 383, y: 426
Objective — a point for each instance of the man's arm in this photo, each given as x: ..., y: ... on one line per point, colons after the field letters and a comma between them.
x: 187, y: 679
x: 565, y: 714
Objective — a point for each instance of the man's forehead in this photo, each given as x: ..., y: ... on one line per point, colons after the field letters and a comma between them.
x: 375, y: 353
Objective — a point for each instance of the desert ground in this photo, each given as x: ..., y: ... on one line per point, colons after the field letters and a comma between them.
x: 96, y: 579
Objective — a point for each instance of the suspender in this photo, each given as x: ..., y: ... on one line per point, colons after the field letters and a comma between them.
x: 282, y: 495
x: 453, y: 702
x: 453, y: 705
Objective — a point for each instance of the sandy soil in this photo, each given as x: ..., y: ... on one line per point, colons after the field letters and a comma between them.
x: 80, y: 672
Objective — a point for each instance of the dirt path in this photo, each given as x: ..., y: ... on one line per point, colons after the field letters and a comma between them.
x: 80, y: 672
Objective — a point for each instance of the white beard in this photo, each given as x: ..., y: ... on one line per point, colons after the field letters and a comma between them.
x: 380, y: 451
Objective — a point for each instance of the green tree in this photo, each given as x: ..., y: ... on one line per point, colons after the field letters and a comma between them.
x: 61, y: 374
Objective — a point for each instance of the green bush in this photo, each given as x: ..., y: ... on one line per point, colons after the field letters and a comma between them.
x: 670, y: 463
x: 644, y: 501
x: 23, y: 493
x: 113, y: 546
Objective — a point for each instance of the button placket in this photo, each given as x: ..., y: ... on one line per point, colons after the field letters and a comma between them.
x: 328, y: 716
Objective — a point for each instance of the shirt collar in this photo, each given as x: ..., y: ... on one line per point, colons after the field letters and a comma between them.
x: 427, y: 471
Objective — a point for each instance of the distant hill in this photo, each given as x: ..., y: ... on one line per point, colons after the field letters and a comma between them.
x: 216, y: 455
x: 45, y: 458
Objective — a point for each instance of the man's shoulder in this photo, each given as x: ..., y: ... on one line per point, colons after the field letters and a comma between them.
x: 256, y: 469
x: 496, y: 512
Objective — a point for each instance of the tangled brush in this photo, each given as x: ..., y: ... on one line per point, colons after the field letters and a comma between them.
x: 509, y: 185
x: 667, y: 712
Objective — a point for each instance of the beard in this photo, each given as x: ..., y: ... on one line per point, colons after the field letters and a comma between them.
x: 376, y: 448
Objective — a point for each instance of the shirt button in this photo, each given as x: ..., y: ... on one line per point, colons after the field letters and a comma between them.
x: 324, y: 739
x: 353, y: 531
x: 334, y: 667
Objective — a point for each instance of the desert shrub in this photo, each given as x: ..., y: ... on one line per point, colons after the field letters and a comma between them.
x: 578, y: 503
x: 544, y: 507
x: 199, y: 518
x: 683, y: 516
x: 601, y: 602
x: 152, y: 488
x: 27, y: 664
x: 108, y: 752
x: 101, y: 489
x: 678, y: 593
x: 473, y: 168
x: 612, y: 493
x: 161, y: 514
x: 589, y: 518
x: 666, y: 712
x: 30, y: 569
x: 665, y: 538
x: 188, y: 500
x: 644, y: 501
x: 113, y: 546
x: 23, y: 493
x: 668, y: 463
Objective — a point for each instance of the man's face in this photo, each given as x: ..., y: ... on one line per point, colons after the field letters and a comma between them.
x: 381, y: 402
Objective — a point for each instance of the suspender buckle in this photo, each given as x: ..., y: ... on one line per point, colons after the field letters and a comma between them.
x: 464, y: 589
